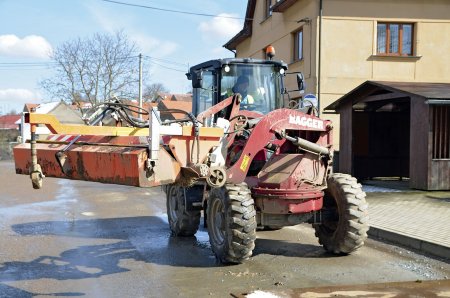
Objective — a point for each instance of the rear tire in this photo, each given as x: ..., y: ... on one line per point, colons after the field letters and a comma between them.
x: 348, y: 231
x: 231, y: 218
x: 182, y: 222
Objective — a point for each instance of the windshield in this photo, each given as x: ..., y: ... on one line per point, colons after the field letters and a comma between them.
x: 259, y: 85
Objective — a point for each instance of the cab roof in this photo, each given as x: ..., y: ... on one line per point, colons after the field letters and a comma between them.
x: 219, y: 63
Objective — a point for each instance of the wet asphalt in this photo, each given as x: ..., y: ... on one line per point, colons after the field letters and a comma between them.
x: 84, y: 239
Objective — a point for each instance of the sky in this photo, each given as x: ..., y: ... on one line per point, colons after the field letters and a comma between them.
x: 31, y: 29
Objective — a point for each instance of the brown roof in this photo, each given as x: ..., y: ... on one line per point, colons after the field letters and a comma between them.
x: 164, y: 95
x: 8, y: 121
x: 179, y: 105
x: 182, y: 97
x: 431, y: 91
x: 145, y: 105
x: 28, y: 106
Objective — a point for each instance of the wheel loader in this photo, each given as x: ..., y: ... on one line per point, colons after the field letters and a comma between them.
x: 247, y: 156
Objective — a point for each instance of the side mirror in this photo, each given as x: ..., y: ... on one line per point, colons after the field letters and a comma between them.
x: 301, y: 82
x: 197, y: 79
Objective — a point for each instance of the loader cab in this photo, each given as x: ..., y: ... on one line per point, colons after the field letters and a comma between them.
x: 260, y: 82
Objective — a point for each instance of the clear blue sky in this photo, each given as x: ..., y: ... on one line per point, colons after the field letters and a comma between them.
x: 30, y: 29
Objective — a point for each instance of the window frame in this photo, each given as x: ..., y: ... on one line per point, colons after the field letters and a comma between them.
x: 296, y: 56
x: 400, y: 39
x: 267, y: 9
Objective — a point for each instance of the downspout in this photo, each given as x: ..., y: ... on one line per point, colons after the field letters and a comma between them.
x: 320, y: 56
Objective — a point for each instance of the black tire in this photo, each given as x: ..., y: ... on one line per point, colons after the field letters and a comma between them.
x: 181, y: 222
x: 348, y: 231
x: 231, y: 218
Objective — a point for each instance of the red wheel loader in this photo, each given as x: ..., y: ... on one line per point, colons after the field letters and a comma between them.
x: 247, y: 156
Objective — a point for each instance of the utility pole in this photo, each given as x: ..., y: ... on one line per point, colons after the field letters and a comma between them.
x: 140, y: 84
x: 320, y: 56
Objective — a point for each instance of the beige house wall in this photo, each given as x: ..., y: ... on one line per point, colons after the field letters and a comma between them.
x: 349, y: 29
x: 277, y: 31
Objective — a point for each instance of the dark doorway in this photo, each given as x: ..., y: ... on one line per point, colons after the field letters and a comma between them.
x: 381, y: 133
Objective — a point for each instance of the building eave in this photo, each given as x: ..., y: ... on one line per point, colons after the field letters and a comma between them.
x: 435, y: 91
x: 238, y: 38
x: 283, y: 5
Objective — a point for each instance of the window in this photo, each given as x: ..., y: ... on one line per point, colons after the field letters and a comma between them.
x: 441, y: 132
x: 395, y: 39
x: 298, y: 45
x: 268, y: 8
x: 206, y: 93
x: 264, y: 86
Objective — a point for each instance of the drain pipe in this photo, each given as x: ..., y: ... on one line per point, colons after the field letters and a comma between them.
x: 320, y: 56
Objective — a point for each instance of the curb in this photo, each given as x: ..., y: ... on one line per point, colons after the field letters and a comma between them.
x: 410, y: 242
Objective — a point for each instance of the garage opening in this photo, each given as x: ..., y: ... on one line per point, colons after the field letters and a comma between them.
x: 381, y: 135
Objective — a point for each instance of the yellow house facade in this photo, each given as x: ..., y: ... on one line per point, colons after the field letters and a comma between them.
x: 339, y: 44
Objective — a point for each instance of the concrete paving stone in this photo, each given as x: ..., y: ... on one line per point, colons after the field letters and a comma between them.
x: 418, y: 219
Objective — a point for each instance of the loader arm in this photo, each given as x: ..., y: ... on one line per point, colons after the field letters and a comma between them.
x: 271, y: 127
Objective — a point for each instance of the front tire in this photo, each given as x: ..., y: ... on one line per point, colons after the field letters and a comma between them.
x: 231, y: 218
x: 181, y: 222
x: 348, y: 230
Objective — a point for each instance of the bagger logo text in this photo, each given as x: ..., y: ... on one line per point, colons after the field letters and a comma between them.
x: 306, y: 121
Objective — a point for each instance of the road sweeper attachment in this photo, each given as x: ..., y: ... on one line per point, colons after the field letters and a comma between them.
x: 143, y: 157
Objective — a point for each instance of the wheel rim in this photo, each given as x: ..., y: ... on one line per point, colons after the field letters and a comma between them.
x: 173, y: 204
x: 218, y: 222
x: 330, y: 202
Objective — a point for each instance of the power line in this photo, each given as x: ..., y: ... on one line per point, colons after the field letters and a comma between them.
x: 176, y: 11
x: 35, y: 64
x: 26, y: 63
x: 21, y: 69
x: 166, y: 61
x: 188, y: 12
x: 167, y: 67
x: 47, y: 65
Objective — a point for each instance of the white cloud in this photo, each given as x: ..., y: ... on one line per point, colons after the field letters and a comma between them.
x: 17, y: 96
x: 111, y: 22
x: 221, y: 52
x: 31, y: 46
x: 220, y: 28
x: 14, y: 99
x: 153, y: 46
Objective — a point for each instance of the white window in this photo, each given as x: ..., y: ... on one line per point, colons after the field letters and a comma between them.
x: 298, y: 45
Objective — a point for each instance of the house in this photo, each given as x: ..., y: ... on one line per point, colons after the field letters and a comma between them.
x: 397, y: 129
x: 340, y: 44
x: 167, y: 104
x: 384, y: 65
x: 63, y: 112
x: 170, y: 96
x: 8, y: 122
x: 182, y: 97
x: 29, y: 106
x: 9, y: 131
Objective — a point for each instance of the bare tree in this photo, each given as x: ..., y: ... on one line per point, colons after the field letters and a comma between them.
x: 151, y: 91
x: 94, y: 69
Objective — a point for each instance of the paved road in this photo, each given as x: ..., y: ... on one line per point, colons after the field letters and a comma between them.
x: 75, y: 238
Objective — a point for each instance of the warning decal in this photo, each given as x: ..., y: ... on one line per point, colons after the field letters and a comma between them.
x: 244, y: 163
